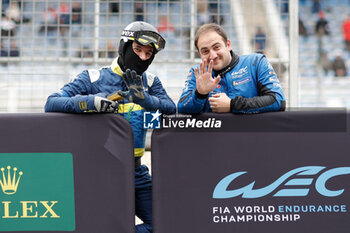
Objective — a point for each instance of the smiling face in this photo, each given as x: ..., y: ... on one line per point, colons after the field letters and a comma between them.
x: 211, y: 46
x: 143, y: 51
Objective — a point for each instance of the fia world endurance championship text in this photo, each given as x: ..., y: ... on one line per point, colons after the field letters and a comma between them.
x: 281, y: 213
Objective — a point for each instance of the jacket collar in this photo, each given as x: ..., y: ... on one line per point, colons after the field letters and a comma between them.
x: 233, y: 63
x: 116, y: 68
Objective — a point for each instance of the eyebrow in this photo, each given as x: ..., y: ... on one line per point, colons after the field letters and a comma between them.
x: 210, y: 46
x: 148, y: 48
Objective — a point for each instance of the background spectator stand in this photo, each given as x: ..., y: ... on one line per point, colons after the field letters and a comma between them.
x: 49, y: 24
x: 215, y: 16
x: 302, y: 29
x: 64, y: 19
x: 346, y: 33
x: 8, y: 28
x: 76, y: 19
x: 139, y: 11
x: 202, y: 9
x: 86, y: 52
x: 109, y: 52
x: 9, y: 49
x: 5, y: 5
x: 114, y: 7
x: 14, y: 12
x: 321, y: 29
x: 322, y: 26
x: 76, y: 13
x: 259, y: 40
x: 339, y: 67
x: 167, y: 29
x: 316, y: 6
x: 325, y: 63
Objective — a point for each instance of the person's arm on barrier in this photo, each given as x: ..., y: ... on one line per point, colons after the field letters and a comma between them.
x: 77, y: 97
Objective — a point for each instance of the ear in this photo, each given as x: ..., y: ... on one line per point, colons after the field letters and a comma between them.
x: 228, y: 44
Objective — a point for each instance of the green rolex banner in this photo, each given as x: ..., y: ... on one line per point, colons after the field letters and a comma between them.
x: 36, y: 192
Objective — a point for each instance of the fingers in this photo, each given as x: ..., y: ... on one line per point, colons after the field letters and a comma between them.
x: 138, y: 81
x: 133, y: 74
x: 196, y: 74
x: 220, y: 102
x: 128, y: 74
x: 204, y: 67
x: 123, y: 93
x: 127, y: 77
x: 201, y: 65
x: 132, y: 78
x: 214, y: 99
x: 213, y: 102
x: 217, y: 79
x: 210, y: 68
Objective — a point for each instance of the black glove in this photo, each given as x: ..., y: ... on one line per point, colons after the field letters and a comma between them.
x: 134, y: 83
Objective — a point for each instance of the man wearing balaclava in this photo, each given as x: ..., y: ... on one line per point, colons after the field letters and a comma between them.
x: 135, y: 90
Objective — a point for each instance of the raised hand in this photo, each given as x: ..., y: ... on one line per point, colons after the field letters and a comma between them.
x: 136, y: 92
x: 204, y: 81
x: 134, y: 83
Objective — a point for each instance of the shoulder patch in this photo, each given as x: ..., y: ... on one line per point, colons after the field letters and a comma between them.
x: 150, y: 78
x: 94, y: 75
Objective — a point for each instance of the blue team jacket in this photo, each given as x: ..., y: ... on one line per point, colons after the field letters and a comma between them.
x: 78, y: 96
x: 252, y: 85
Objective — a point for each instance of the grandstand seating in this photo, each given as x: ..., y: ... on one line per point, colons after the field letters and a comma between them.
x: 46, y: 63
x: 308, y: 47
x: 111, y: 24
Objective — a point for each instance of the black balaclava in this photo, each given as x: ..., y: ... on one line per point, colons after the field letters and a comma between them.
x: 130, y: 60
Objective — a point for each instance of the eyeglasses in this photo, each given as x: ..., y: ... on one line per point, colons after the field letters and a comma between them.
x: 146, y: 38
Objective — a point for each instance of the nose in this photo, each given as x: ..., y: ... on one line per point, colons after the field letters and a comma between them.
x: 143, y: 56
x: 212, y: 55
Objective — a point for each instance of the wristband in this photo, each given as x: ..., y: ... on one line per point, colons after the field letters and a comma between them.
x: 199, y: 95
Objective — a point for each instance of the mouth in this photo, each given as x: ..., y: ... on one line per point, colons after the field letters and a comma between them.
x: 215, y: 61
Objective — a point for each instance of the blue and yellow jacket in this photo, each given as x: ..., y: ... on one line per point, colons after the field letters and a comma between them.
x: 251, y: 84
x: 78, y: 96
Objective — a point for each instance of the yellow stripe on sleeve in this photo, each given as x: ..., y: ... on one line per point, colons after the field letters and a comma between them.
x: 125, y: 108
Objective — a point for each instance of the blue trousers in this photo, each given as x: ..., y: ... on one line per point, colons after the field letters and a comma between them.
x: 143, y: 199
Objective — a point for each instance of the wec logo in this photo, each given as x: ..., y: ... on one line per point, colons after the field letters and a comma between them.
x: 221, y: 192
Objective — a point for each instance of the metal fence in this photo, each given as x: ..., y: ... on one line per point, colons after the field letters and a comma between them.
x: 45, y: 43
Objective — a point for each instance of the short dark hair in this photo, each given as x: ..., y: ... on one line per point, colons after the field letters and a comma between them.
x: 210, y: 27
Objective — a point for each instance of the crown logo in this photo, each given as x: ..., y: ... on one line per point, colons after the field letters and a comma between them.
x: 8, y: 185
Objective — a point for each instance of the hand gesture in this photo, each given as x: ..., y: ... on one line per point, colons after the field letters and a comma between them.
x: 136, y: 92
x: 204, y: 81
x: 134, y: 83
